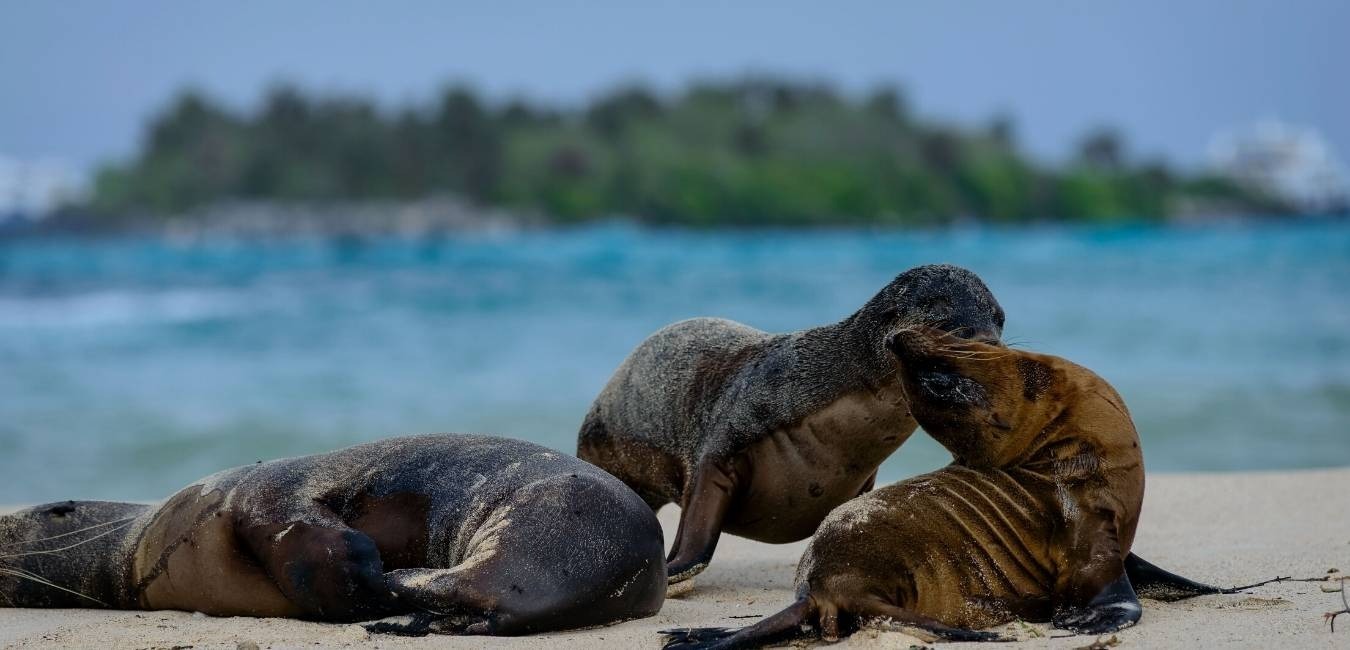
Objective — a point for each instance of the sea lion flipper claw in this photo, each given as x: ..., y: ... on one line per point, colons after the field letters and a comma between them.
x: 689, y: 638
x: 1116, y: 607
x: 415, y: 624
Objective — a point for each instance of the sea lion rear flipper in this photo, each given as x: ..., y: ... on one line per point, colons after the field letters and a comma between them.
x: 701, y: 516
x: 782, y: 626
x: 1150, y: 581
x: 1156, y: 583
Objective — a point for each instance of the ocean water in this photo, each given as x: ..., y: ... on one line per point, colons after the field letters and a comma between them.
x: 130, y: 367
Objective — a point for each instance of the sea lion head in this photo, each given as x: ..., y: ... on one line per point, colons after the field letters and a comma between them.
x: 942, y: 296
x: 995, y: 406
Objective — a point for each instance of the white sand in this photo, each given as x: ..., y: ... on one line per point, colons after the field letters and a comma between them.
x: 1219, y: 528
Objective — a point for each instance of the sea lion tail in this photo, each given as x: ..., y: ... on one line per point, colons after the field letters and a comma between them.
x: 782, y: 626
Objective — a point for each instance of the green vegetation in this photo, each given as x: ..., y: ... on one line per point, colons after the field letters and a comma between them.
x: 754, y: 151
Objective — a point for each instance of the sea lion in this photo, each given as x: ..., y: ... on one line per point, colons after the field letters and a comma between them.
x: 477, y: 535
x: 761, y: 435
x: 1033, y: 520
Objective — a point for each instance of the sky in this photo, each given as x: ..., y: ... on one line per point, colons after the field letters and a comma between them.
x: 80, y: 78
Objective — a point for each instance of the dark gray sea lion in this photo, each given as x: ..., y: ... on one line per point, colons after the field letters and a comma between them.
x: 1033, y: 520
x: 761, y: 435
x: 471, y: 534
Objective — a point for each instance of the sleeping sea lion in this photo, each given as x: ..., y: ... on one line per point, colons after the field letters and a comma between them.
x: 1033, y: 519
x: 761, y: 435
x: 473, y: 534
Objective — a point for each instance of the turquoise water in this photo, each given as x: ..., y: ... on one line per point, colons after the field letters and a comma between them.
x: 130, y: 367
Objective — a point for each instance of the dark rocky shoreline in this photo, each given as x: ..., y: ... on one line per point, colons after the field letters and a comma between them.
x: 425, y: 218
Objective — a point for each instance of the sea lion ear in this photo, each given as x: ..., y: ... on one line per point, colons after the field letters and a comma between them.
x: 892, y: 343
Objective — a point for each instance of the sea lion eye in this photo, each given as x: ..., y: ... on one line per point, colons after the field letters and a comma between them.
x: 937, y: 383
x: 950, y: 387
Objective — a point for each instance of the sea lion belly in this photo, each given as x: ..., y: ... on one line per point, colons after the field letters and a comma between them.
x: 799, y: 474
x: 189, y: 557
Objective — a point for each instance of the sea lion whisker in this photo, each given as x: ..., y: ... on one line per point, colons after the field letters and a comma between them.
x: 960, y: 354
x: 972, y: 355
x: 53, y: 551
x: 19, y: 573
x: 73, y: 532
x: 959, y: 346
x: 41, y: 580
x: 956, y: 347
x: 986, y: 356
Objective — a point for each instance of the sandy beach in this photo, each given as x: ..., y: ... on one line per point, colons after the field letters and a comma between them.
x: 1221, y: 528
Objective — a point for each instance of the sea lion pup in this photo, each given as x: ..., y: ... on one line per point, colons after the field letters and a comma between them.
x: 1033, y: 519
x: 469, y: 534
x: 761, y: 435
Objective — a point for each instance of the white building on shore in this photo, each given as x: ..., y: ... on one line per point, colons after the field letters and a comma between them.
x: 1290, y: 163
x: 32, y: 189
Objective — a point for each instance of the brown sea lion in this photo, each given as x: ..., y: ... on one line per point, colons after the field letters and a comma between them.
x: 761, y: 435
x: 470, y: 534
x: 1033, y: 519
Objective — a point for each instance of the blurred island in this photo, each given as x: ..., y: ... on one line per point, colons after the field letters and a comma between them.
x: 748, y: 152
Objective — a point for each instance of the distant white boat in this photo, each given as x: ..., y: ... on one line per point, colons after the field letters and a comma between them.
x: 1291, y: 163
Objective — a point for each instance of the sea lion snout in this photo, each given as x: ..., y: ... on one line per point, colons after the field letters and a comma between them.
x: 970, y: 321
x: 960, y: 391
x: 907, y: 344
x: 953, y: 300
x: 928, y: 375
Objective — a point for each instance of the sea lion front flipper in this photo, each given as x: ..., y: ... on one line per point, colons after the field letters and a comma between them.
x: 329, y: 570
x: 1115, y: 607
x: 705, y: 506
x: 1094, y: 588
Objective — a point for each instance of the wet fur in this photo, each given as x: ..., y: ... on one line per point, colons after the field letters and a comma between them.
x: 477, y: 534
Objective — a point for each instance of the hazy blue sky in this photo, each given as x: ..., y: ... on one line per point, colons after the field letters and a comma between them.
x: 81, y: 77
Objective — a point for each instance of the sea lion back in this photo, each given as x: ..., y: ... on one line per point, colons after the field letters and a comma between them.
x: 641, y: 426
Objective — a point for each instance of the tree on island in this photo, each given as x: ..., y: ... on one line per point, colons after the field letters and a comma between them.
x: 755, y: 151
